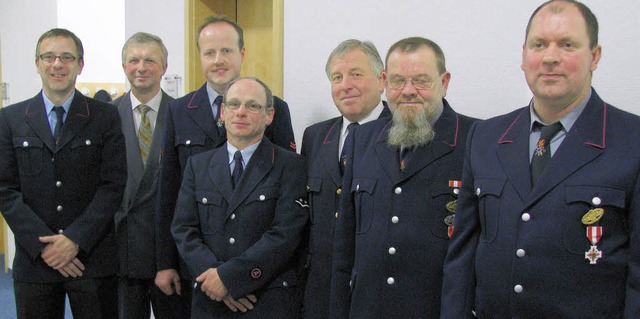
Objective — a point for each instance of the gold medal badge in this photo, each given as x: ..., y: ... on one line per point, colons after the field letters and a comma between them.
x: 592, y: 216
x: 451, y: 206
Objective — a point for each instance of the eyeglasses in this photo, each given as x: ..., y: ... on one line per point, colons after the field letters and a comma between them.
x: 50, y: 57
x: 421, y: 82
x: 234, y: 105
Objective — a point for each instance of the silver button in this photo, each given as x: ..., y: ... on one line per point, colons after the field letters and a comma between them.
x: 596, y: 201
x: 262, y: 197
x: 25, y: 144
x: 285, y: 284
x: 308, y: 188
x: 188, y: 142
x: 350, y: 283
x: 520, y: 253
x: 59, y: 208
x: 398, y: 190
x: 392, y: 251
x: 526, y: 217
x: 395, y: 219
x: 233, y: 216
x: 518, y: 289
x: 58, y: 183
x: 204, y: 200
x: 390, y: 281
x: 478, y: 191
x: 358, y: 187
x: 60, y: 231
x: 232, y: 240
x: 87, y: 142
x: 456, y: 191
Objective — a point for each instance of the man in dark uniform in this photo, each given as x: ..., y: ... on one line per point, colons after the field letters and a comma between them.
x: 357, y: 77
x: 391, y: 235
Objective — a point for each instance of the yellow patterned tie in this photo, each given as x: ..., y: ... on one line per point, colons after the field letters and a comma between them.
x: 144, y: 132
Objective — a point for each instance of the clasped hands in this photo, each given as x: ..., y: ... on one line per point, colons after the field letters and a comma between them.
x: 213, y: 287
x: 60, y: 254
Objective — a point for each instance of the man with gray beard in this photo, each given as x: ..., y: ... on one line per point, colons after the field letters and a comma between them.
x: 401, y: 185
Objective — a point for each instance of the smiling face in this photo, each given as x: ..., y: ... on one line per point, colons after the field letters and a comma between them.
x: 144, y: 67
x: 557, y: 60
x: 244, y: 126
x: 58, y: 78
x: 220, y: 54
x: 355, y: 87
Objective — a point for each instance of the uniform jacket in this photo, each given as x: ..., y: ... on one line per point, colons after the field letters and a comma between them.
x: 390, y: 236
x: 518, y: 251
x: 324, y: 185
x: 135, y: 219
x: 74, y: 188
x: 191, y: 129
x: 250, y: 235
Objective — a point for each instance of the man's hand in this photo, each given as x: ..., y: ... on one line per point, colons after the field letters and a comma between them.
x: 168, y: 280
x: 243, y: 304
x: 73, y: 269
x: 211, y: 284
x: 59, y: 251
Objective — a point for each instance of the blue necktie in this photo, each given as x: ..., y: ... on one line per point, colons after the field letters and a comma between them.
x: 347, y: 147
x: 58, y: 129
x: 542, y: 153
x: 237, y: 169
x: 216, y: 108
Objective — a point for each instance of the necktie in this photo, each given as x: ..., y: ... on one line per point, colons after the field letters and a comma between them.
x: 347, y: 147
x: 542, y: 153
x: 145, y: 134
x: 58, y: 129
x: 237, y: 169
x: 403, y: 155
x: 216, y: 108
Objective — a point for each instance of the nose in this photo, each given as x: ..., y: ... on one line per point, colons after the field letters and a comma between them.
x: 408, y: 88
x: 551, y: 54
x: 346, y: 84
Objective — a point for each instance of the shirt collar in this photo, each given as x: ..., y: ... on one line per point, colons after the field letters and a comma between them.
x: 567, y: 121
x: 48, y: 105
x: 247, y: 152
x: 212, y: 94
x: 373, y: 115
x: 154, y: 103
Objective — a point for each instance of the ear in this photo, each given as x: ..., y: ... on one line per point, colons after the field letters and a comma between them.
x: 596, y: 54
x: 270, y: 114
x: 221, y: 117
x: 383, y: 79
x: 446, y: 77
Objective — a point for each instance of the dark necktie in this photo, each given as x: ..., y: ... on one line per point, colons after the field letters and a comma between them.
x: 237, y: 169
x: 542, y: 153
x: 347, y: 147
x: 58, y: 129
x: 216, y: 108
x: 403, y: 155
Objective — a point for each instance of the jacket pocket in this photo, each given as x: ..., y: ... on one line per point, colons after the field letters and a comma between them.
x: 441, y: 195
x: 362, y: 189
x: 489, y: 192
x: 210, y: 211
x: 314, y: 185
x: 29, y: 154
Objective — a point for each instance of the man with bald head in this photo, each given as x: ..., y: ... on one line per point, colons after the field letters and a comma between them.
x: 547, y: 224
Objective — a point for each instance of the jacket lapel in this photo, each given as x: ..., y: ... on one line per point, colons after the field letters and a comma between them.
x: 79, y: 116
x: 199, y: 109
x: 35, y: 115
x: 513, y: 153
x: 329, y: 151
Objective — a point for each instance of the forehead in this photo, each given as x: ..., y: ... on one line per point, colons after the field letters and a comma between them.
x: 60, y: 44
x: 221, y: 32
x: 247, y: 89
x: 146, y: 47
x: 555, y: 14
x: 421, y: 61
x: 355, y: 58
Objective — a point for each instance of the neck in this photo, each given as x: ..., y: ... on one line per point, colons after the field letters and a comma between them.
x: 144, y: 96
x: 58, y: 97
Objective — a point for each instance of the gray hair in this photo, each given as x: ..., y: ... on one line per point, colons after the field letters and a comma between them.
x: 367, y: 47
x: 143, y: 37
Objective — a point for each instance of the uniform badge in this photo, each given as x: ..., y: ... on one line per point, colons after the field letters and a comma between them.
x: 451, y: 206
x: 539, y: 151
x: 302, y: 202
x: 592, y: 216
x: 593, y: 234
x: 449, y: 221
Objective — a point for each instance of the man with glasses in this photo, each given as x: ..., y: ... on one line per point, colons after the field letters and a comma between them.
x: 240, y: 215
x: 62, y: 179
x: 396, y: 213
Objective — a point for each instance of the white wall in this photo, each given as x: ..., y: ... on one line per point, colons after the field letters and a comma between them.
x: 482, y: 42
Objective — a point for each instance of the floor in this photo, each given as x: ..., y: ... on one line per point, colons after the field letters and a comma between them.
x: 7, y: 301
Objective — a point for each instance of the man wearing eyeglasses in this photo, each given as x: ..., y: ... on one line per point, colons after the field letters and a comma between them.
x: 62, y: 178
x: 240, y: 215
x: 396, y: 213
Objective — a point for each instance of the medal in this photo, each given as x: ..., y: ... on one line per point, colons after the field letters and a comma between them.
x: 539, y: 151
x: 592, y: 216
x: 593, y: 234
x: 451, y: 206
x: 449, y: 220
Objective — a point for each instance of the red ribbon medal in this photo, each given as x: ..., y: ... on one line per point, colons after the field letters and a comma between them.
x: 593, y: 234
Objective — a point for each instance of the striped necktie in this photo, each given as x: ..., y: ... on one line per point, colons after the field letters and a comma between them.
x: 145, y: 134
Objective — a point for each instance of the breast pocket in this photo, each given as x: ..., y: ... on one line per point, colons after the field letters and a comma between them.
x: 259, y: 208
x: 443, y: 199
x: 314, y: 185
x: 362, y: 190
x: 582, y: 200
x: 489, y: 192
x: 190, y: 144
x: 210, y: 211
x: 29, y: 152
x: 86, y: 153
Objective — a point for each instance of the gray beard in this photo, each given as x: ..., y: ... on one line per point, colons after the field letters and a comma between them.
x: 416, y: 130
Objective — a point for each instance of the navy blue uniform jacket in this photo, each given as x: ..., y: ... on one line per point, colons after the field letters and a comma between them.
x: 191, y: 129
x: 73, y: 189
x: 320, y: 150
x: 390, y: 237
x: 250, y: 235
x: 518, y: 251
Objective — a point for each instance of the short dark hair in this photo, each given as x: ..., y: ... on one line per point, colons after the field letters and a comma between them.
x: 221, y: 19
x: 589, y: 18
x: 59, y: 32
x: 412, y: 44
x: 267, y: 91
